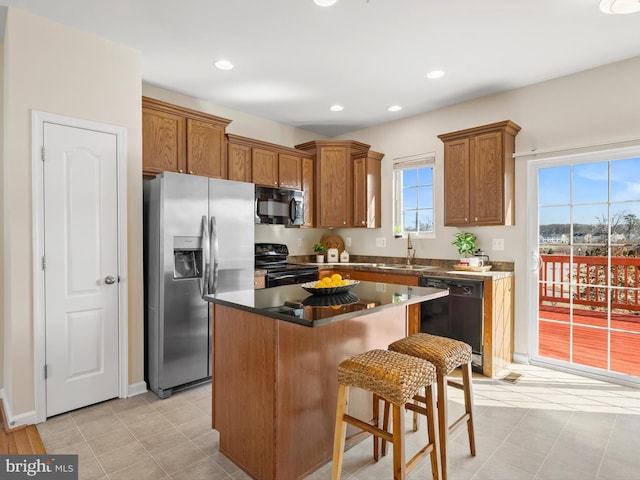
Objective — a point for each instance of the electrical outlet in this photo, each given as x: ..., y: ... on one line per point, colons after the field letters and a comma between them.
x: 497, y: 244
x: 381, y: 242
x: 347, y: 241
x: 299, y: 242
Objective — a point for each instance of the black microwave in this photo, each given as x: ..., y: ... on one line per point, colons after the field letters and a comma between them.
x: 279, y: 206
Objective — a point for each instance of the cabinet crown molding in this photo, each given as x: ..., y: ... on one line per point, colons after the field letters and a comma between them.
x: 155, y: 104
x: 507, y: 126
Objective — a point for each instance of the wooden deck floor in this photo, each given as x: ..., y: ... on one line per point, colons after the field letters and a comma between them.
x: 590, y: 345
x: 24, y: 440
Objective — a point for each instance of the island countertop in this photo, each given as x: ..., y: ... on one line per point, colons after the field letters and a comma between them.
x: 292, y: 303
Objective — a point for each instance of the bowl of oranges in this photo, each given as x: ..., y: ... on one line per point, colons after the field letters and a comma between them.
x: 330, y: 285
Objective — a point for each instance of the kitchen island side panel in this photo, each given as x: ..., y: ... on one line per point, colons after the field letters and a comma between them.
x: 244, y: 389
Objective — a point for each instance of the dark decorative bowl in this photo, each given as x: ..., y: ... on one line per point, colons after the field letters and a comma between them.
x: 310, y: 287
x: 335, y: 300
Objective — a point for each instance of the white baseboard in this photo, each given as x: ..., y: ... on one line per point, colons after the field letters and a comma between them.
x: 522, y: 358
x: 13, y: 421
x: 136, y: 389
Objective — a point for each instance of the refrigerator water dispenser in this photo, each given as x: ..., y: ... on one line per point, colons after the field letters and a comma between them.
x: 187, y: 257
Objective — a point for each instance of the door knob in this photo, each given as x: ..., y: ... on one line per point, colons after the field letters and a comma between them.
x: 109, y: 280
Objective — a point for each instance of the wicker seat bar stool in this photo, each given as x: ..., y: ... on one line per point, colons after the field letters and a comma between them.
x: 396, y: 378
x: 447, y: 355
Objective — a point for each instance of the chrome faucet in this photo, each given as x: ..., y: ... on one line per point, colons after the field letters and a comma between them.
x: 411, y: 252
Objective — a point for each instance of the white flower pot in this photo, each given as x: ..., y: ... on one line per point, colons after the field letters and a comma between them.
x: 319, y: 258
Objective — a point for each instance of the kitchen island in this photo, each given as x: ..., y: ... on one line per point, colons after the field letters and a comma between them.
x: 275, y: 355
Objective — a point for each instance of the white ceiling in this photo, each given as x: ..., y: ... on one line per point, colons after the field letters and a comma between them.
x: 294, y: 59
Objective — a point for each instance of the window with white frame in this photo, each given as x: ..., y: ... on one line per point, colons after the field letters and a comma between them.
x: 413, y: 194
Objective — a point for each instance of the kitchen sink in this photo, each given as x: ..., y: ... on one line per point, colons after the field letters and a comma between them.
x: 399, y: 266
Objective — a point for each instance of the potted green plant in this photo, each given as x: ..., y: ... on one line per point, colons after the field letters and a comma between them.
x: 397, y: 231
x: 466, y: 244
x: 319, y: 249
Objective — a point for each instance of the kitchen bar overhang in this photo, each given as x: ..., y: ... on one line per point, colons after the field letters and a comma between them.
x: 292, y: 303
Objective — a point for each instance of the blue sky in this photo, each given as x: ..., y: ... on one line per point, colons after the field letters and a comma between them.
x: 590, y: 191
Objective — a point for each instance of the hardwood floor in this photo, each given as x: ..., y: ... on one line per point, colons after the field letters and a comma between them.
x: 24, y: 440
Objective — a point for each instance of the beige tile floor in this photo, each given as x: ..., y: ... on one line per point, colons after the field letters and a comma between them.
x: 548, y: 426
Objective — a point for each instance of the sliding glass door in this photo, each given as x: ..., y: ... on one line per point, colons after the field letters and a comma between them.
x: 587, y: 263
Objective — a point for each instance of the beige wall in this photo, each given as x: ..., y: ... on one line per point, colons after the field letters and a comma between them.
x: 53, y: 68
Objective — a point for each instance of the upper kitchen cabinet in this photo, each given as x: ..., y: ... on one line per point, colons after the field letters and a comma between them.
x: 290, y: 171
x: 264, y: 163
x: 333, y: 181
x: 264, y: 166
x: 366, y: 189
x: 238, y: 160
x: 479, y: 175
x: 307, y: 189
x: 181, y: 140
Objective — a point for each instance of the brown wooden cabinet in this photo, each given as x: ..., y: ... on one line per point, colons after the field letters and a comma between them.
x: 479, y: 175
x: 333, y: 180
x: 264, y: 163
x: 264, y: 167
x: 367, y: 204
x: 181, y: 140
x: 163, y: 141
x: 308, y: 191
x: 239, y: 162
x: 290, y: 171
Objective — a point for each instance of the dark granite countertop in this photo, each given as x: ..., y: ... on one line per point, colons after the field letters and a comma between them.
x: 292, y: 303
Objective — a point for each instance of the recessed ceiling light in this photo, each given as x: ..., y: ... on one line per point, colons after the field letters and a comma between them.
x: 336, y: 108
x: 394, y: 108
x: 435, y: 74
x: 325, y: 3
x: 224, y: 64
x: 620, y: 6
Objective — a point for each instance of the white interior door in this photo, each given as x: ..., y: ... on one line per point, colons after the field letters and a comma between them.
x: 81, y: 273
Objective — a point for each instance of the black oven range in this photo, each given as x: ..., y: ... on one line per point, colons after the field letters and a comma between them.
x: 272, y: 257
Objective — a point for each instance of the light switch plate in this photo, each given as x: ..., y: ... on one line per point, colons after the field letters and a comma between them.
x: 347, y: 241
x: 299, y: 242
x: 381, y: 287
x: 381, y: 242
x: 497, y: 244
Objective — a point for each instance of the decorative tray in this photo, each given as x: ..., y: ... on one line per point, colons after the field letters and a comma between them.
x: 468, y: 268
x: 310, y: 287
x: 335, y: 300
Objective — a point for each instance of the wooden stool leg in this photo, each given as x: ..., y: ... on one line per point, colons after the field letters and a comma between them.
x: 432, y: 432
x: 385, y: 426
x: 376, y: 422
x: 468, y: 405
x: 399, y: 467
x: 340, y: 431
x: 443, y: 425
x: 416, y: 418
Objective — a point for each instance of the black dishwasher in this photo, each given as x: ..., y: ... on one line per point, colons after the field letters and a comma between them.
x: 459, y: 315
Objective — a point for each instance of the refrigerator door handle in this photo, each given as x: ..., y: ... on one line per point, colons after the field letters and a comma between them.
x: 213, y: 271
x: 206, y: 254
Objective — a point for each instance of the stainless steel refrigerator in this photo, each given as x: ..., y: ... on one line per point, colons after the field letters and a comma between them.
x: 199, y: 239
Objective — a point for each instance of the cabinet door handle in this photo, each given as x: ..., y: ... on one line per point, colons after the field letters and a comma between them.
x: 180, y: 171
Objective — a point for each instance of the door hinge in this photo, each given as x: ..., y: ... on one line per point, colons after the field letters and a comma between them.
x: 42, y: 154
x: 44, y: 262
x: 45, y: 371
